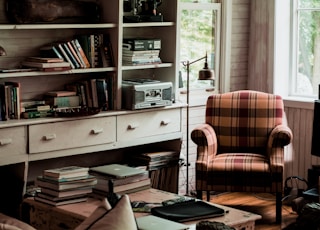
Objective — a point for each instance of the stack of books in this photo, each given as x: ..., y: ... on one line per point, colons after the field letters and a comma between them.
x: 120, y: 179
x: 65, y: 185
x: 141, y: 51
x: 155, y: 160
x: 62, y: 98
x: 47, y: 64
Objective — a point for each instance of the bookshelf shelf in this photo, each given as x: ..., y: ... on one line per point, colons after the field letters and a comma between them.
x: 148, y: 24
x: 56, y: 26
x: 39, y: 73
x: 133, y: 67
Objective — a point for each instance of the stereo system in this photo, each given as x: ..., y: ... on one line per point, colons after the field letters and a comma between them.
x: 145, y: 93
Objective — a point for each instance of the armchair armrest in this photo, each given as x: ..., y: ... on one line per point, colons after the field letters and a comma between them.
x: 279, y: 137
x: 205, y: 138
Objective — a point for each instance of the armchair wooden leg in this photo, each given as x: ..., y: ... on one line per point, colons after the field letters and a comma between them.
x: 278, y: 207
x: 199, y: 194
x: 208, y: 195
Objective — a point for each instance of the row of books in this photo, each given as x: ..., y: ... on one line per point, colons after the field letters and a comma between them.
x: 95, y: 92
x: 87, y: 93
x: 10, y: 94
x: 66, y: 185
x: 84, y: 51
x: 141, y: 51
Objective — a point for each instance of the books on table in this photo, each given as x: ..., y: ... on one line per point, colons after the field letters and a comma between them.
x: 66, y: 172
x: 120, y: 179
x: 68, y: 184
x: 64, y: 185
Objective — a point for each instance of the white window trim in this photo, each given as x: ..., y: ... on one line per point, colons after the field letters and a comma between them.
x: 223, y: 69
x: 283, y: 55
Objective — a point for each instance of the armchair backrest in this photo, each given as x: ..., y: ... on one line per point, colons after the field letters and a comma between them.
x: 244, y: 119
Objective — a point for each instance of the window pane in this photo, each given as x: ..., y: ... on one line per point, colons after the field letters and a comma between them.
x: 309, y: 3
x: 197, y: 34
x: 308, y: 58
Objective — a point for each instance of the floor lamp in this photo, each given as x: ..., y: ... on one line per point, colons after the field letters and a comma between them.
x: 204, y: 74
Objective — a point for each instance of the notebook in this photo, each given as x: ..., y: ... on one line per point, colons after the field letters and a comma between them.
x: 117, y: 170
x: 151, y: 222
x: 187, y: 211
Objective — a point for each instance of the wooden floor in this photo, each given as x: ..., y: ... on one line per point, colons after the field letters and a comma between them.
x: 262, y: 204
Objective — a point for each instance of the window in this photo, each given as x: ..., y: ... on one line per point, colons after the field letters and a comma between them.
x: 305, y: 48
x: 199, y: 35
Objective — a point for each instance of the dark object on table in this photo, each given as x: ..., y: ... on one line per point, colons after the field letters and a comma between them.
x: 212, y: 225
x: 187, y: 211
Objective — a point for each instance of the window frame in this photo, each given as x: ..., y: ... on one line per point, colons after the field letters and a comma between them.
x: 204, y: 6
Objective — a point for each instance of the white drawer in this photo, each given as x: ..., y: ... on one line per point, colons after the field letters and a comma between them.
x: 13, y: 142
x: 147, y: 124
x: 71, y: 134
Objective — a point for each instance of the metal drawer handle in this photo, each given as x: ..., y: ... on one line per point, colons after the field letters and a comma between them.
x: 5, y: 141
x: 165, y: 122
x: 97, y: 131
x: 50, y: 137
x: 133, y: 126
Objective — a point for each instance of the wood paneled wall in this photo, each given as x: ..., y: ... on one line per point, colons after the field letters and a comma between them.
x: 240, y: 44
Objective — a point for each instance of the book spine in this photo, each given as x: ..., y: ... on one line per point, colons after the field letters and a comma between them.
x: 65, y: 56
x: 73, y: 44
x: 72, y: 58
x: 142, y: 44
x: 102, y: 94
x: 93, y: 85
x: 75, y: 55
x: 82, y: 53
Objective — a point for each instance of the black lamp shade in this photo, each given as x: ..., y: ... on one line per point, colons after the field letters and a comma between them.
x: 206, y: 73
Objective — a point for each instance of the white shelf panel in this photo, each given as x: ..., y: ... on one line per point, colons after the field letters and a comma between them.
x: 56, y: 26
x: 148, y: 24
x: 133, y: 67
x: 39, y: 73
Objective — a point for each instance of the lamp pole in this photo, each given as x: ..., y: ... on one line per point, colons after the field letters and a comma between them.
x: 188, y: 64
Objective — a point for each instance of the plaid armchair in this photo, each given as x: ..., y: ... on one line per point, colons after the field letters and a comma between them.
x: 240, y: 148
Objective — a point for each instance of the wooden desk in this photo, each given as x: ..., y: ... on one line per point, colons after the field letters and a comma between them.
x: 43, y: 216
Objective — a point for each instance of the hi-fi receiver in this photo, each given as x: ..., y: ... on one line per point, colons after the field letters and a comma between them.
x: 145, y: 93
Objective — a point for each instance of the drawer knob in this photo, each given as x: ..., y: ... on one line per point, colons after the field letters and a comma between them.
x: 133, y: 126
x: 5, y: 141
x: 97, y: 131
x: 165, y: 122
x: 50, y: 137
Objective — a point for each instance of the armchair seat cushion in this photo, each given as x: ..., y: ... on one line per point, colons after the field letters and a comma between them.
x: 239, y: 169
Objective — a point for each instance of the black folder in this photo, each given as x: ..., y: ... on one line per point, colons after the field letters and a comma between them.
x: 187, y: 211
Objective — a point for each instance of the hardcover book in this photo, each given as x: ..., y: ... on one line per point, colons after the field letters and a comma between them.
x: 61, y: 93
x: 63, y: 202
x: 67, y: 101
x: 60, y: 186
x: 66, y: 172
x: 82, y: 53
x: 68, y: 192
x: 45, y: 64
x: 44, y: 59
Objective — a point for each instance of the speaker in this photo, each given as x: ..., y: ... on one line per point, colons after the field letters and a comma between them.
x: 315, y: 147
